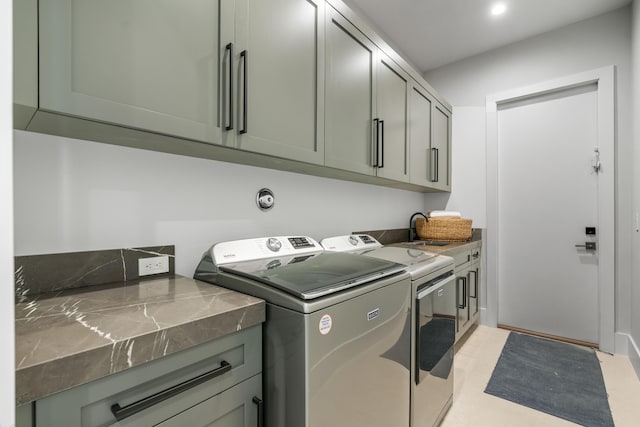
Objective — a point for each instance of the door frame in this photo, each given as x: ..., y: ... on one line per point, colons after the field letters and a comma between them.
x: 604, y: 78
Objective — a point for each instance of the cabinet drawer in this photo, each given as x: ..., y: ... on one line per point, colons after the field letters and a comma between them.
x: 90, y: 404
x: 461, y: 257
x: 476, y: 252
x: 236, y: 407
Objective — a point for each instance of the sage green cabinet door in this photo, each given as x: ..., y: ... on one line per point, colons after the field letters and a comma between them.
x: 234, y: 407
x: 441, y: 147
x: 420, y: 136
x: 280, y: 78
x: 350, y: 100
x: 147, y: 64
x: 392, y: 86
x: 25, y: 61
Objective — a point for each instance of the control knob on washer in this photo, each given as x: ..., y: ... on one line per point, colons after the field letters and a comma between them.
x: 274, y: 244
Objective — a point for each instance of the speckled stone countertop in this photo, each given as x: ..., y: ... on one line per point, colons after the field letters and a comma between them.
x: 73, y: 336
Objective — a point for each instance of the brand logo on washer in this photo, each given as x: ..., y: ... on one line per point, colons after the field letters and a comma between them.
x: 373, y: 314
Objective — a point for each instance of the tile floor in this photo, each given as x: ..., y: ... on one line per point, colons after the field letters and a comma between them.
x: 474, y: 365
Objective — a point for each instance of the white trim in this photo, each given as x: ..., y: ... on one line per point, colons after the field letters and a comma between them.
x: 605, y: 79
x: 7, y: 320
x: 634, y: 355
x: 626, y: 345
x: 622, y: 343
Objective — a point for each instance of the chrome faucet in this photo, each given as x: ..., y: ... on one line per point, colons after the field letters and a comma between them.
x: 411, y: 235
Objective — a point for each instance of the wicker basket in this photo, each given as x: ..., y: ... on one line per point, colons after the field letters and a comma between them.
x: 444, y: 228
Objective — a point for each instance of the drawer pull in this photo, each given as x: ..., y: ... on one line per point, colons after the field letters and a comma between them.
x: 260, y: 406
x: 121, y: 413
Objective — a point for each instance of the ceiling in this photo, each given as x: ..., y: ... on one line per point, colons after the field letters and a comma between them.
x: 433, y: 33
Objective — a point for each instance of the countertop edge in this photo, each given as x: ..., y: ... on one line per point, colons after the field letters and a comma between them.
x: 124, y: 354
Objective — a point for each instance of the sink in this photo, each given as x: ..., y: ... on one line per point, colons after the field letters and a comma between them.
x: 428, y: 243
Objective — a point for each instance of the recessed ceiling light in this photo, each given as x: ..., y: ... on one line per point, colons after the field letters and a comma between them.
x: 498, y: 9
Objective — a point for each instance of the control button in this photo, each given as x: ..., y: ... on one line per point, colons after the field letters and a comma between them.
x: 353, y: 240
x: 274, y: 244
x: 274, y: 264
x: 367, y: 239
x: 300, y: 242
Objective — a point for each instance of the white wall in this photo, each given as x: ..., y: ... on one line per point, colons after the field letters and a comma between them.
x: 583, y: 46
x: 7, y: 365
x: 73, y: 195
x: 469, y: 189
x: 635, y: 285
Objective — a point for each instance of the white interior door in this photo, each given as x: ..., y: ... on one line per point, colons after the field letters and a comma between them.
x: 548, y: 194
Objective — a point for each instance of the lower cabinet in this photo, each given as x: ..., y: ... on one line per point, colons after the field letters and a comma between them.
x: 218, y: 383
x: 467, y: 272
x: 235, y: 407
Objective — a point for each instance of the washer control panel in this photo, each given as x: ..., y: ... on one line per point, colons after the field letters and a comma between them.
x: 262, y: 247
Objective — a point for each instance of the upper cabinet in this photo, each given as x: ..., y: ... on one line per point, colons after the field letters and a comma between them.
x: 430, y: 140
x: 279, y: 51
x: 350, y: 100
x: 440, y: 147
x: 391, y: 118
x: 365, y: 104
x: 420, y: 135
x: 25, y: 61
x: 297, y: 85
x: 146, y: 64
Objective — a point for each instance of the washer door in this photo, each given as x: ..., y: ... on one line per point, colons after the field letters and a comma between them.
x: 359, y: 360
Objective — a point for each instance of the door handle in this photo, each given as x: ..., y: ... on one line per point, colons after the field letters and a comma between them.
x: 260, y: 407
x: 475, y: 283
x: 375, y: 143
x: 229, y: 48
x: 243, y: 57
x: 590, y: 246
x: 463, y: 293
x: 381, y: 148
x: 435, y: 168
x: 437, y: 165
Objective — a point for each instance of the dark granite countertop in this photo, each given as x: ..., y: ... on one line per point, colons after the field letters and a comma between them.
x: 398, y: 237
x: 73, y: 336
x: 450, y: 249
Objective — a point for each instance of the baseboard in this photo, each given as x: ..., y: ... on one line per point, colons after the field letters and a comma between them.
x: 626, y: 345
x: 484, y: 318
x: 634, y: 356
x: 621, y: 343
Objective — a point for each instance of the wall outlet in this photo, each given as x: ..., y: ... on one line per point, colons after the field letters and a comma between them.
x: 153, y: 265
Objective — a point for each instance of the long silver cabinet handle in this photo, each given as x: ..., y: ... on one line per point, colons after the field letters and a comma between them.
x: 229, y: 48
x: 120, y: 413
